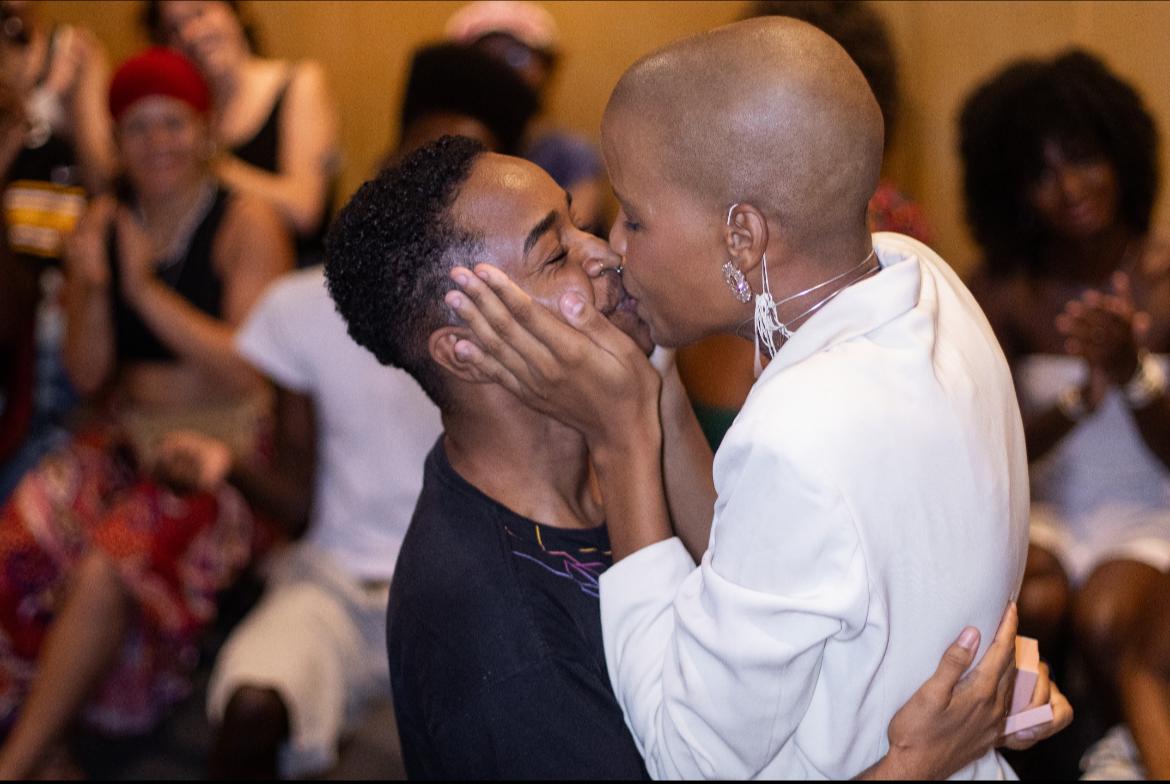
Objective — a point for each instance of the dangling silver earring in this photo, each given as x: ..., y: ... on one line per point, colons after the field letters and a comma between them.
x: 737, y: 283
x: 768, y: 321
x: 732, y: 275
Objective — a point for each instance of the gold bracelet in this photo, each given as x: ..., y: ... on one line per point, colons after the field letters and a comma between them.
x: 1148, y: 383
x: 1071, y: 403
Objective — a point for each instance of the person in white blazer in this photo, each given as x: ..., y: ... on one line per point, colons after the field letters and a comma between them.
x: 874, y: 487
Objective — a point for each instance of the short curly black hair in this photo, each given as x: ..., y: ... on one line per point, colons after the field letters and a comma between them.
x: 463, y: 80
x: 389, y: 252
x: 1074, y: 101
x: 861, y: 32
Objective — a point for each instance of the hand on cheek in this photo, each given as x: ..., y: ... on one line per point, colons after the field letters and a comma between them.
x: 578, y: 372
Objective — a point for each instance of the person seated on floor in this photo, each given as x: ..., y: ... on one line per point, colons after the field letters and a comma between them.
x: 276, y: 121
x: 351, y: 440
x: 1060, y: 174
x: 57, y: 152
x: 524, y: 36
x: 108, y: 577
x: 351, y: 437
x: 494, y: 634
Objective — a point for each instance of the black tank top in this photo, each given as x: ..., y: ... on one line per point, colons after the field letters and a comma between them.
x: 263, y: 149
x: 192, y: 276
x: 263, y: 152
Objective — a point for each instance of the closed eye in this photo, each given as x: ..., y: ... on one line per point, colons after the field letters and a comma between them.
x: 562, y: 254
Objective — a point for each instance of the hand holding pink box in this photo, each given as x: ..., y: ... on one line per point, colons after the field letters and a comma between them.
x: 1027, y: 673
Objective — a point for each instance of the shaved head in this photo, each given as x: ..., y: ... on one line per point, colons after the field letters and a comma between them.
x: 770, y: 112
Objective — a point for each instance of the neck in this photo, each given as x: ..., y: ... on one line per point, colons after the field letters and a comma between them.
x: 1091, y: 260
x: 227, y: 83
x: 816, y: 277
x: 526, y: 461
x: 161, y: 214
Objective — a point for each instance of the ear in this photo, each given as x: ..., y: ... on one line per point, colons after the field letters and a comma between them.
x: 746, y: 236
x: 441, y: 346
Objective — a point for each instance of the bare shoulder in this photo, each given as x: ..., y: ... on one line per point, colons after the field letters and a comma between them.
x: 248, y: 222
x: 308, y: 73
x: 246, y: 213
x: 309, y: 84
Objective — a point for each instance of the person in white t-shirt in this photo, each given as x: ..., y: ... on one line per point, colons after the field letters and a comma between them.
x: 350, y: 442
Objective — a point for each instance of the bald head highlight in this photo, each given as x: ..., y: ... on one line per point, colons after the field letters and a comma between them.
x: 770, y: 112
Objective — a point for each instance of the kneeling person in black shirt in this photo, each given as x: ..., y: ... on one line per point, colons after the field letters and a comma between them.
x: 494, y: 634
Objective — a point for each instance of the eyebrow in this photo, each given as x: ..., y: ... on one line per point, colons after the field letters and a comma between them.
x: 545, y: 224
x: 539, y: 229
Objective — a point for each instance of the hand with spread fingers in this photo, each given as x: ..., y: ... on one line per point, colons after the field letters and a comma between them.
x: 582, y: 370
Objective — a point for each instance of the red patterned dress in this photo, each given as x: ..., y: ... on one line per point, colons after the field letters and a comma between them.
x: 174, y: 554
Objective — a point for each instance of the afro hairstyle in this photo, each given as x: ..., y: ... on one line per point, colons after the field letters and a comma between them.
x: 1074, y: 101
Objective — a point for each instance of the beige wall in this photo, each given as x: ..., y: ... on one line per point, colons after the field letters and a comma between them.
x: 945, y: 48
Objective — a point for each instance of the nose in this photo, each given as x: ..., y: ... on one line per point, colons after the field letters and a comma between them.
x: 617, y: 234
x: 607, y: 290
x: 157, y: 135
x: 600, y: 265
x: 596, y: 257
x: 1072, y: 182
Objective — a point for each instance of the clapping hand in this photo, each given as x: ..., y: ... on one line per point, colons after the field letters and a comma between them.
x: 135, y: 255
x: 1107, y: 330
x: 86, y: 257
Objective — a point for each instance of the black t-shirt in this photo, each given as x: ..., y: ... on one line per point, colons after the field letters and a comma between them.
x: 494, y: 640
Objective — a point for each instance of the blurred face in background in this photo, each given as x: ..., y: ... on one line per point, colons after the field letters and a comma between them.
x: 164, y: 146
x: 208, y: 32
x: 1076, y: 194
x: 16, y: 30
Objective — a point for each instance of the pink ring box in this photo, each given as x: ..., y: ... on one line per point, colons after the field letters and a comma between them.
x: 1020, y: 717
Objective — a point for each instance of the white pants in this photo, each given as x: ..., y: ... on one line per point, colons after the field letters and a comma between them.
x: 1145, y: 542
x: 318, y: 638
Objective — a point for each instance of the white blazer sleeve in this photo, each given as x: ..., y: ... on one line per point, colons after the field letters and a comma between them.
x: 715, y: 669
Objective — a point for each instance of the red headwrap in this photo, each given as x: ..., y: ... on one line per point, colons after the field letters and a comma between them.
x: 158, y: 71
